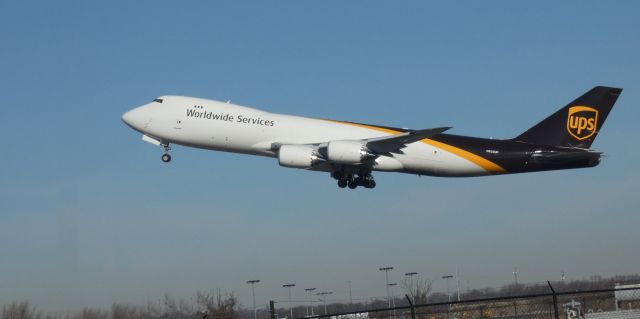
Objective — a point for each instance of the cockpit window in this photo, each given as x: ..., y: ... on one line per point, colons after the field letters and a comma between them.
x: 158, y: 100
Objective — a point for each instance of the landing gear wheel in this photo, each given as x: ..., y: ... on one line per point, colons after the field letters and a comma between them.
x: 365, y: 179
x: 166, y: 157
x: 353, y: 184
x: 342, y: 183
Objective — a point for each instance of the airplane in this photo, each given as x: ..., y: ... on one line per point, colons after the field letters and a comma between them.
x: 351, y: 151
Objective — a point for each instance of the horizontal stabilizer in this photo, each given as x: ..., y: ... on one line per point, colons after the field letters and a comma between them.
x: 395, y: 142
x: 566, y: 157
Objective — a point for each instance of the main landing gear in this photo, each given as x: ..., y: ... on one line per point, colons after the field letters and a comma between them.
x: 363, y: 179
x: 166, y: 157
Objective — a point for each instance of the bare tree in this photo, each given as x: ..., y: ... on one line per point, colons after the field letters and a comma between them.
x: 124, y: 311
x: 89, y: 313
x: 218, y: 306
x: 19, y: 310
x: 150, y: 311
x: 418, y: 290
x: 176, y: 309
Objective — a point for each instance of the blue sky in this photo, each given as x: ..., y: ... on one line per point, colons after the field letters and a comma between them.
x: 89, y: 214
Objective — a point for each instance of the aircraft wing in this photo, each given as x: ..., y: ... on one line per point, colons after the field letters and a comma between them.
x: 395, y: 142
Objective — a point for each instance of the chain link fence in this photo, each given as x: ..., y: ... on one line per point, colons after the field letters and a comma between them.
x: 622, y: 302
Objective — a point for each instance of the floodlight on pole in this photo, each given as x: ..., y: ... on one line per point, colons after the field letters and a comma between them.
x: 410, y: 275
x: 447, y: 277
x: 324, y: 299
x: 289, y: 286
x: 393, y: 297
x: 458, y: 283
x: 309, y: 290
x: 253, y: 294
x: 515, y: 278
x: 386, y: 276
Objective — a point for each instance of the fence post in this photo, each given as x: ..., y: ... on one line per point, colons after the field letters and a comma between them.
x: 555, y: 301
x: 413, y: 310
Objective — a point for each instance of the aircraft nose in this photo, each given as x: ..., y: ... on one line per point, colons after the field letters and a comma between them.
x: 138, y: 118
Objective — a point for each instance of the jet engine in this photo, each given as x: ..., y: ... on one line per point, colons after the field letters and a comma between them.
x: 348, y: 152
x: 298, y: 156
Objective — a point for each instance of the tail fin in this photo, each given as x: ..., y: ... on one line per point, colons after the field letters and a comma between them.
x: 578, y: 123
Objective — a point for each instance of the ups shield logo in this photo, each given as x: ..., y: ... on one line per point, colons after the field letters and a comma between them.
x: 582, y: 122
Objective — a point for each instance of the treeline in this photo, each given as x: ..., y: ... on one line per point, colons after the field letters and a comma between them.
x: 223, y: 305
x: 206, y: 305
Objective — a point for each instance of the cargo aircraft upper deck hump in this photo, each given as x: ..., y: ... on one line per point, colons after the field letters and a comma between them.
x: 351, y: 151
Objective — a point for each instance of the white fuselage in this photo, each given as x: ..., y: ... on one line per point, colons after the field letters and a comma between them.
x: 227, y: 127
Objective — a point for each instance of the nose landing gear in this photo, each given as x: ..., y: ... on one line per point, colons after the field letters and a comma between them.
x: 166, y: 157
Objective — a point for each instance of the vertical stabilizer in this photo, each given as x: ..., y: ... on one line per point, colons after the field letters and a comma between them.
x: 578, y: 123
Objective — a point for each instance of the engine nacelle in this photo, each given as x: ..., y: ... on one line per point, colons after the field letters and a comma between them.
x: 298, y: 156
x: 347, y: 152
x: 388, y: 164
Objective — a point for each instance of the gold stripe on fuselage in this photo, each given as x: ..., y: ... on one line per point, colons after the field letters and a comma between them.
x: 486, y: 164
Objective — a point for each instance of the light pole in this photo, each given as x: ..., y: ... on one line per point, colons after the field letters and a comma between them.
x: 515, y: 279
x: 515, y: 276
x: 289, y: 286
x: 324, y: 299
x: 447, y: 277
x: 458, y: 283
x: 309, y: 290
x: 386, y: 276
x: 253, y: 294
x: 410, y: 275
x: 393, y: 297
